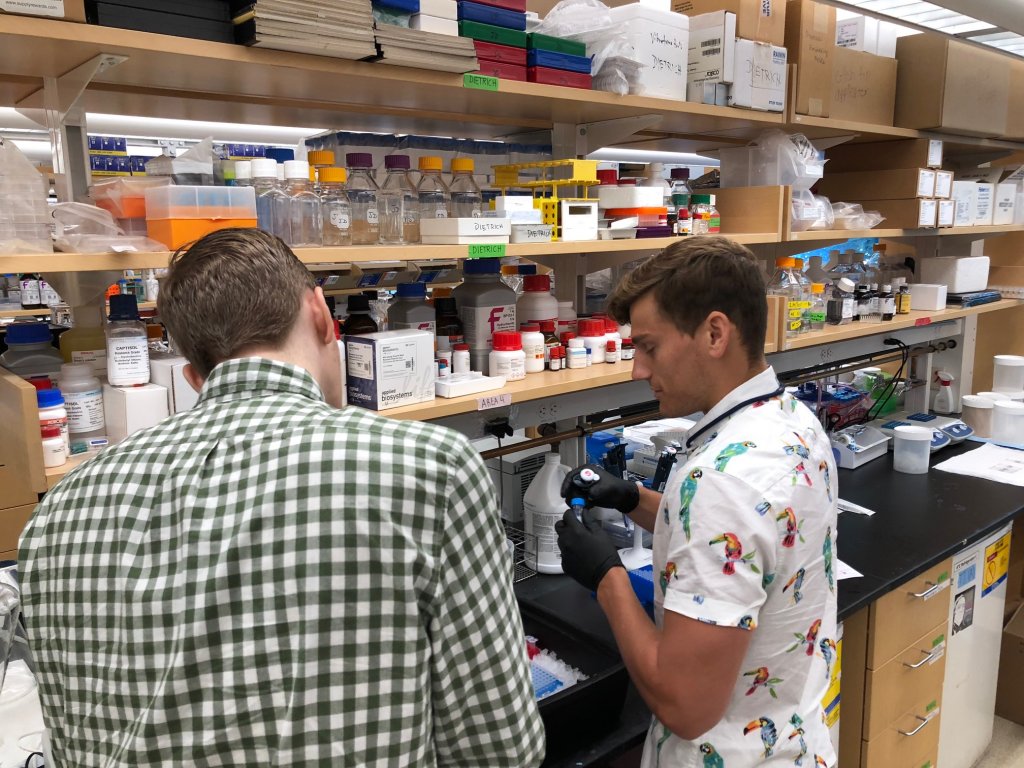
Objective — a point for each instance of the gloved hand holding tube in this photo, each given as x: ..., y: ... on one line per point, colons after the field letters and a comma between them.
x: 600, y: 488
x: 588, y: 553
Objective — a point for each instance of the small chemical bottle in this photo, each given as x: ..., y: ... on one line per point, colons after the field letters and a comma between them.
x: 467, y: 201
x: 547, y: 327
x: 127, y: 344
x: 566, y: 317
x: 460, y: 358
x: 903, y: 297
x: 875, y: 307
x: 55, y: 453
x: 887, y: 302
x: 432, y: 191
x: 362, y: 196
x: 444, y: 363
x: 358, y: 320
x: 533, y: 347
x: 862, y: 298
x: 507, y: 358
x: 52, y: 413
x: 31, y: 295
x: 152, y: 285
x: 83, y: 397
x: 448, y: 326
x: 818, y: 311
x: 628, y: 350
x: 611, y: 352
x: 337, y: 211
x: 840, y: 307
x: 576, y: 354
x: 556, y: 356
x: 565, y: 337
x: 592, y: 332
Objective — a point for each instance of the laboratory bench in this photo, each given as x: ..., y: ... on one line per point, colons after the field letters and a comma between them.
x: 920, y: 521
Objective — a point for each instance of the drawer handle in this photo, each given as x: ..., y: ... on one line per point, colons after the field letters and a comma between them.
x: 924, y: 722
x: 928, y: 656
x: 932, y: 589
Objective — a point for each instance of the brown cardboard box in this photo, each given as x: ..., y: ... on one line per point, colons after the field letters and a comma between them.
x: 811, y: 43
x: 951, y: 86
x: 883, y: 155
x: 904, y: 214
x: 73, y: 10
x: 1010, y: 689
x: 863, y: 87
x: 882, y: 185
x: 1015, y: 109
x: 760, y: 20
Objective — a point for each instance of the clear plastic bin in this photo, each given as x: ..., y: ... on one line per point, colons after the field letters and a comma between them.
x: 126, y: 198
x: 178, y: 215
x: 755, y: 166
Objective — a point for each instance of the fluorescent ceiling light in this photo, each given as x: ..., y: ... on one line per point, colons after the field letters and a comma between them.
x: 614, y: 154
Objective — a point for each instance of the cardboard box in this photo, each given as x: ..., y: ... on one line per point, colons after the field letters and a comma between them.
x: 129, y: 409
x: 944, y: 184
x: 882, y: 185
x: 867, y: 34
x: 947, y: 213
x: 951, y: 86
x: 169, y: 372
x: 1005, y: 203
x: 760, y: 77
x: 985, y: 198
x: 68, y: 10
x: 390, y: 369
x: 811, y: 43
x: 712, y: 53
x: 1015, y: 107
x: 760, y: 20
x: 904, y: 214
x: 1009, y: 701
x: 884, y: 155
x: 863, y: 87
x: 965, y: 197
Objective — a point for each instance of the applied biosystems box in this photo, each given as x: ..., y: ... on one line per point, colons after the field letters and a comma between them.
x: 390, y: 368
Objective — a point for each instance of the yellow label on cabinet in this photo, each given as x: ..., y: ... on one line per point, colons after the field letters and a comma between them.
x: 997, y: 564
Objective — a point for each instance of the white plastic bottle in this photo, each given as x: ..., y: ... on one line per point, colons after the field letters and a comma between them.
x: 945, y: 399
x: 83, y: 399
x: 533, y: 347
x: 460, y: 358
x: 576, y: 354
x: 53, y: 414
x: 55, y: 453
x: 537, y: 304
x: 152, y: 285
x: 543, y: 506
x: 566, y: 318
x: 592, y: 331
x: 127, y: 344
x: 507, y: 358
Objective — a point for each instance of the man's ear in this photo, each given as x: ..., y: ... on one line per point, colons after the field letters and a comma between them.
x: 322, y: 320
x: 718, y: 333
x: 192, y: 377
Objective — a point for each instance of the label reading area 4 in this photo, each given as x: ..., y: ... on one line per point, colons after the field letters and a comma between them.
x: 480, y: 82
x: 486, y: 251
x: 493, y: 401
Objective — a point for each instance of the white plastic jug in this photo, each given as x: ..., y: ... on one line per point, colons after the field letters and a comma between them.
x: 543, y: 506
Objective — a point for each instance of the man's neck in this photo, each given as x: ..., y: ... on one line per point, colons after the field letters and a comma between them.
x: 733, y: 378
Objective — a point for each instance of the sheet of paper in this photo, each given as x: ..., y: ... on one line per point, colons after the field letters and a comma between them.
x: 849, y: 506
x: 843, y: 571
x: 992, y: 462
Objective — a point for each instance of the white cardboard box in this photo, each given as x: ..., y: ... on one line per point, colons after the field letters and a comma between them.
x: 444, y: 9
x: 169, y: 372
x: 1005, y: 204
x: 947, y: 213
x: 129, y: 409
x: 985, y: 201
x: 510, y: 203
x: 435, y: 24
x: 965, y: 196
x: 927, y: 296
x: 960, y: 274
x: 660, y: 40
x: 760, y: 77
x: 943, y: 184
x: 390, y: 368
x: 712, y: 54
x: 485, y: 226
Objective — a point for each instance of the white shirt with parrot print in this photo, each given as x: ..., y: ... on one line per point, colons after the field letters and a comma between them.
x: 746, y: 537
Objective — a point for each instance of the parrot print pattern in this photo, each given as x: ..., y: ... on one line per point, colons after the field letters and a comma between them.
x: 740, y: 544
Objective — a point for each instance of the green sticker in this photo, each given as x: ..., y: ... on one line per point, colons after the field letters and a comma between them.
x: 931, y: 706
x: 486, y: 251
x: 943, y: 576
x: 938, y: 641
x: 480, y: 82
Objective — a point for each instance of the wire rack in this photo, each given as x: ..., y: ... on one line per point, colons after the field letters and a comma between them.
x: 522, y: 542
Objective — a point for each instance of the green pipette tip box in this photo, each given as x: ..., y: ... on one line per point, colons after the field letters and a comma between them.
x: 492, y: 34
x: 557, y: 44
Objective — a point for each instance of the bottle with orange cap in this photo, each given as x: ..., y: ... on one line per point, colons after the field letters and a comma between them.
x: 785, y: 283
x: 467, y: 201
x: 433, y: 192
x: 337, y: 211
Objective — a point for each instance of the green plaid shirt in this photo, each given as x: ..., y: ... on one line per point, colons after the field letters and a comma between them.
x: 268, y: 581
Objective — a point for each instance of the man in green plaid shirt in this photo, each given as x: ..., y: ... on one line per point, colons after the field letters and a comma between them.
x: 267, y: 580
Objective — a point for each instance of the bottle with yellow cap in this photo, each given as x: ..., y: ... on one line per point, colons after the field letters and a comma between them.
x: 433, y: 192
x: 467, y: 202
x: 318, y: 159
x: 337, y: 211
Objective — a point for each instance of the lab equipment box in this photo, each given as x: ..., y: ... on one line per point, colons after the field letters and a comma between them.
x: 177, y: 215
x: 761, y: 20
x: 711, y: 56
x: 905, y: 214
x: 760, y: 77
x: 390, y: 368
x: 660, y: 40
x: 811, y: 45
x: 129, y: 409
x: 863, y: 87
x: 69, y: 10
x: 885, y: 155
x: 882, y: 185
x: 169, y: 372
x: 960, y: 274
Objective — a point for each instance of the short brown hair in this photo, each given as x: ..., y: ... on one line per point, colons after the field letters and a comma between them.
x: 231, y: 290
x: 695, y: 277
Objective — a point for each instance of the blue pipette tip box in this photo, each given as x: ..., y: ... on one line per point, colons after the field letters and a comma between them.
x: 642, y: 580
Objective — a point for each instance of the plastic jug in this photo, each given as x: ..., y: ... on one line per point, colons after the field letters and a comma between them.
x: 543, y: 506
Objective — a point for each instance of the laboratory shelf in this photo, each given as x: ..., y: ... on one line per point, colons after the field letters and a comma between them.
x: 826, y: 128
x: 823, y: 235
x: 56, y: 474
x: 835, y: 333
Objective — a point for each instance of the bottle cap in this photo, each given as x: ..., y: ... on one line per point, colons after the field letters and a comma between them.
x: 123, y: 306
x: 526, y: 269
x: 28, y: 333
x: 886, y: 288
x: 610, y: 326
x: 529, y: 328
x: 320, y: 157
x: 431, y: 163
x: 462, y: 164
x: 566, y: 336
x: 243, y: 169
x: 262, y: 168
x: 817, y: 287
x: 481, y: 267
x: 461, y: 347
x: 358, y: 303
x: 396, y: 162
x: 610, y: 346
x: 47, y: 398
x: 507, y: 341
x: 547, y: 326
x: 540, y: 283
x: 845, y: 285
x: 333, y: 175
x: 50, y: 431
x: 296, y: 169
x: 627, y: 340
x: 412, y: 290
x: 45, y: 383
x: 591, y: 327
x: 359, y: 160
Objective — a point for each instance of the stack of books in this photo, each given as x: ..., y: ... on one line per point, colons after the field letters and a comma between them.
x: 340, y: 29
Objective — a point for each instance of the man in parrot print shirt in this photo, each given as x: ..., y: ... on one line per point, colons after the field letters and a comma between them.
x: 737, y: 662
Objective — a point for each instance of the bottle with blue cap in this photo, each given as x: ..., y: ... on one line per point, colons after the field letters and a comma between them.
x: 127, y: 345
x: 485, y: 305
x: 30, y: 351
x: 411, y: 310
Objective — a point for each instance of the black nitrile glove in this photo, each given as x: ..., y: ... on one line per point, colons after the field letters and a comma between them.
x: 608, y: 491
x: 588, y: 553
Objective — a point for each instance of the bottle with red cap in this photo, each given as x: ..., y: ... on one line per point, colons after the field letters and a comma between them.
x: 537, y: 304
x: 592, y: 331
x: 547, y: 327
x: 507, y: 358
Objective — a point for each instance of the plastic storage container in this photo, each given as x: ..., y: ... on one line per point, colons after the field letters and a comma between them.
x: 485, y: 305
x: 977, y: 413
x: 1008, y: 422
x: 660, y: 40
x: 175, y: 216
x: 125, y: 198
x: 1008, y: 373
x: 30, y: 353
x: 911, y: 449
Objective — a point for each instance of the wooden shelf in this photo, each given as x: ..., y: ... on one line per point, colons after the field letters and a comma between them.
x: 4, y: 312
x: 55, y: 474
x: 836, y: 333
x: 826, y: 127
x: 848, y: 234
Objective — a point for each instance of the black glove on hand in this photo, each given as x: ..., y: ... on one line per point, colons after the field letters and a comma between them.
x: 588, y: 553
x: 608, y: 491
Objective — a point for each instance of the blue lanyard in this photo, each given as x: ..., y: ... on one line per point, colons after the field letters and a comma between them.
x: 730, y: 412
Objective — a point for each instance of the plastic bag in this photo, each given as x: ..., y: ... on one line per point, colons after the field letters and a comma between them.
x: 195, y: 166
x: 810, y: 211
x: 81, y: 228
x: 853, y: 216
x: 24, y: 213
